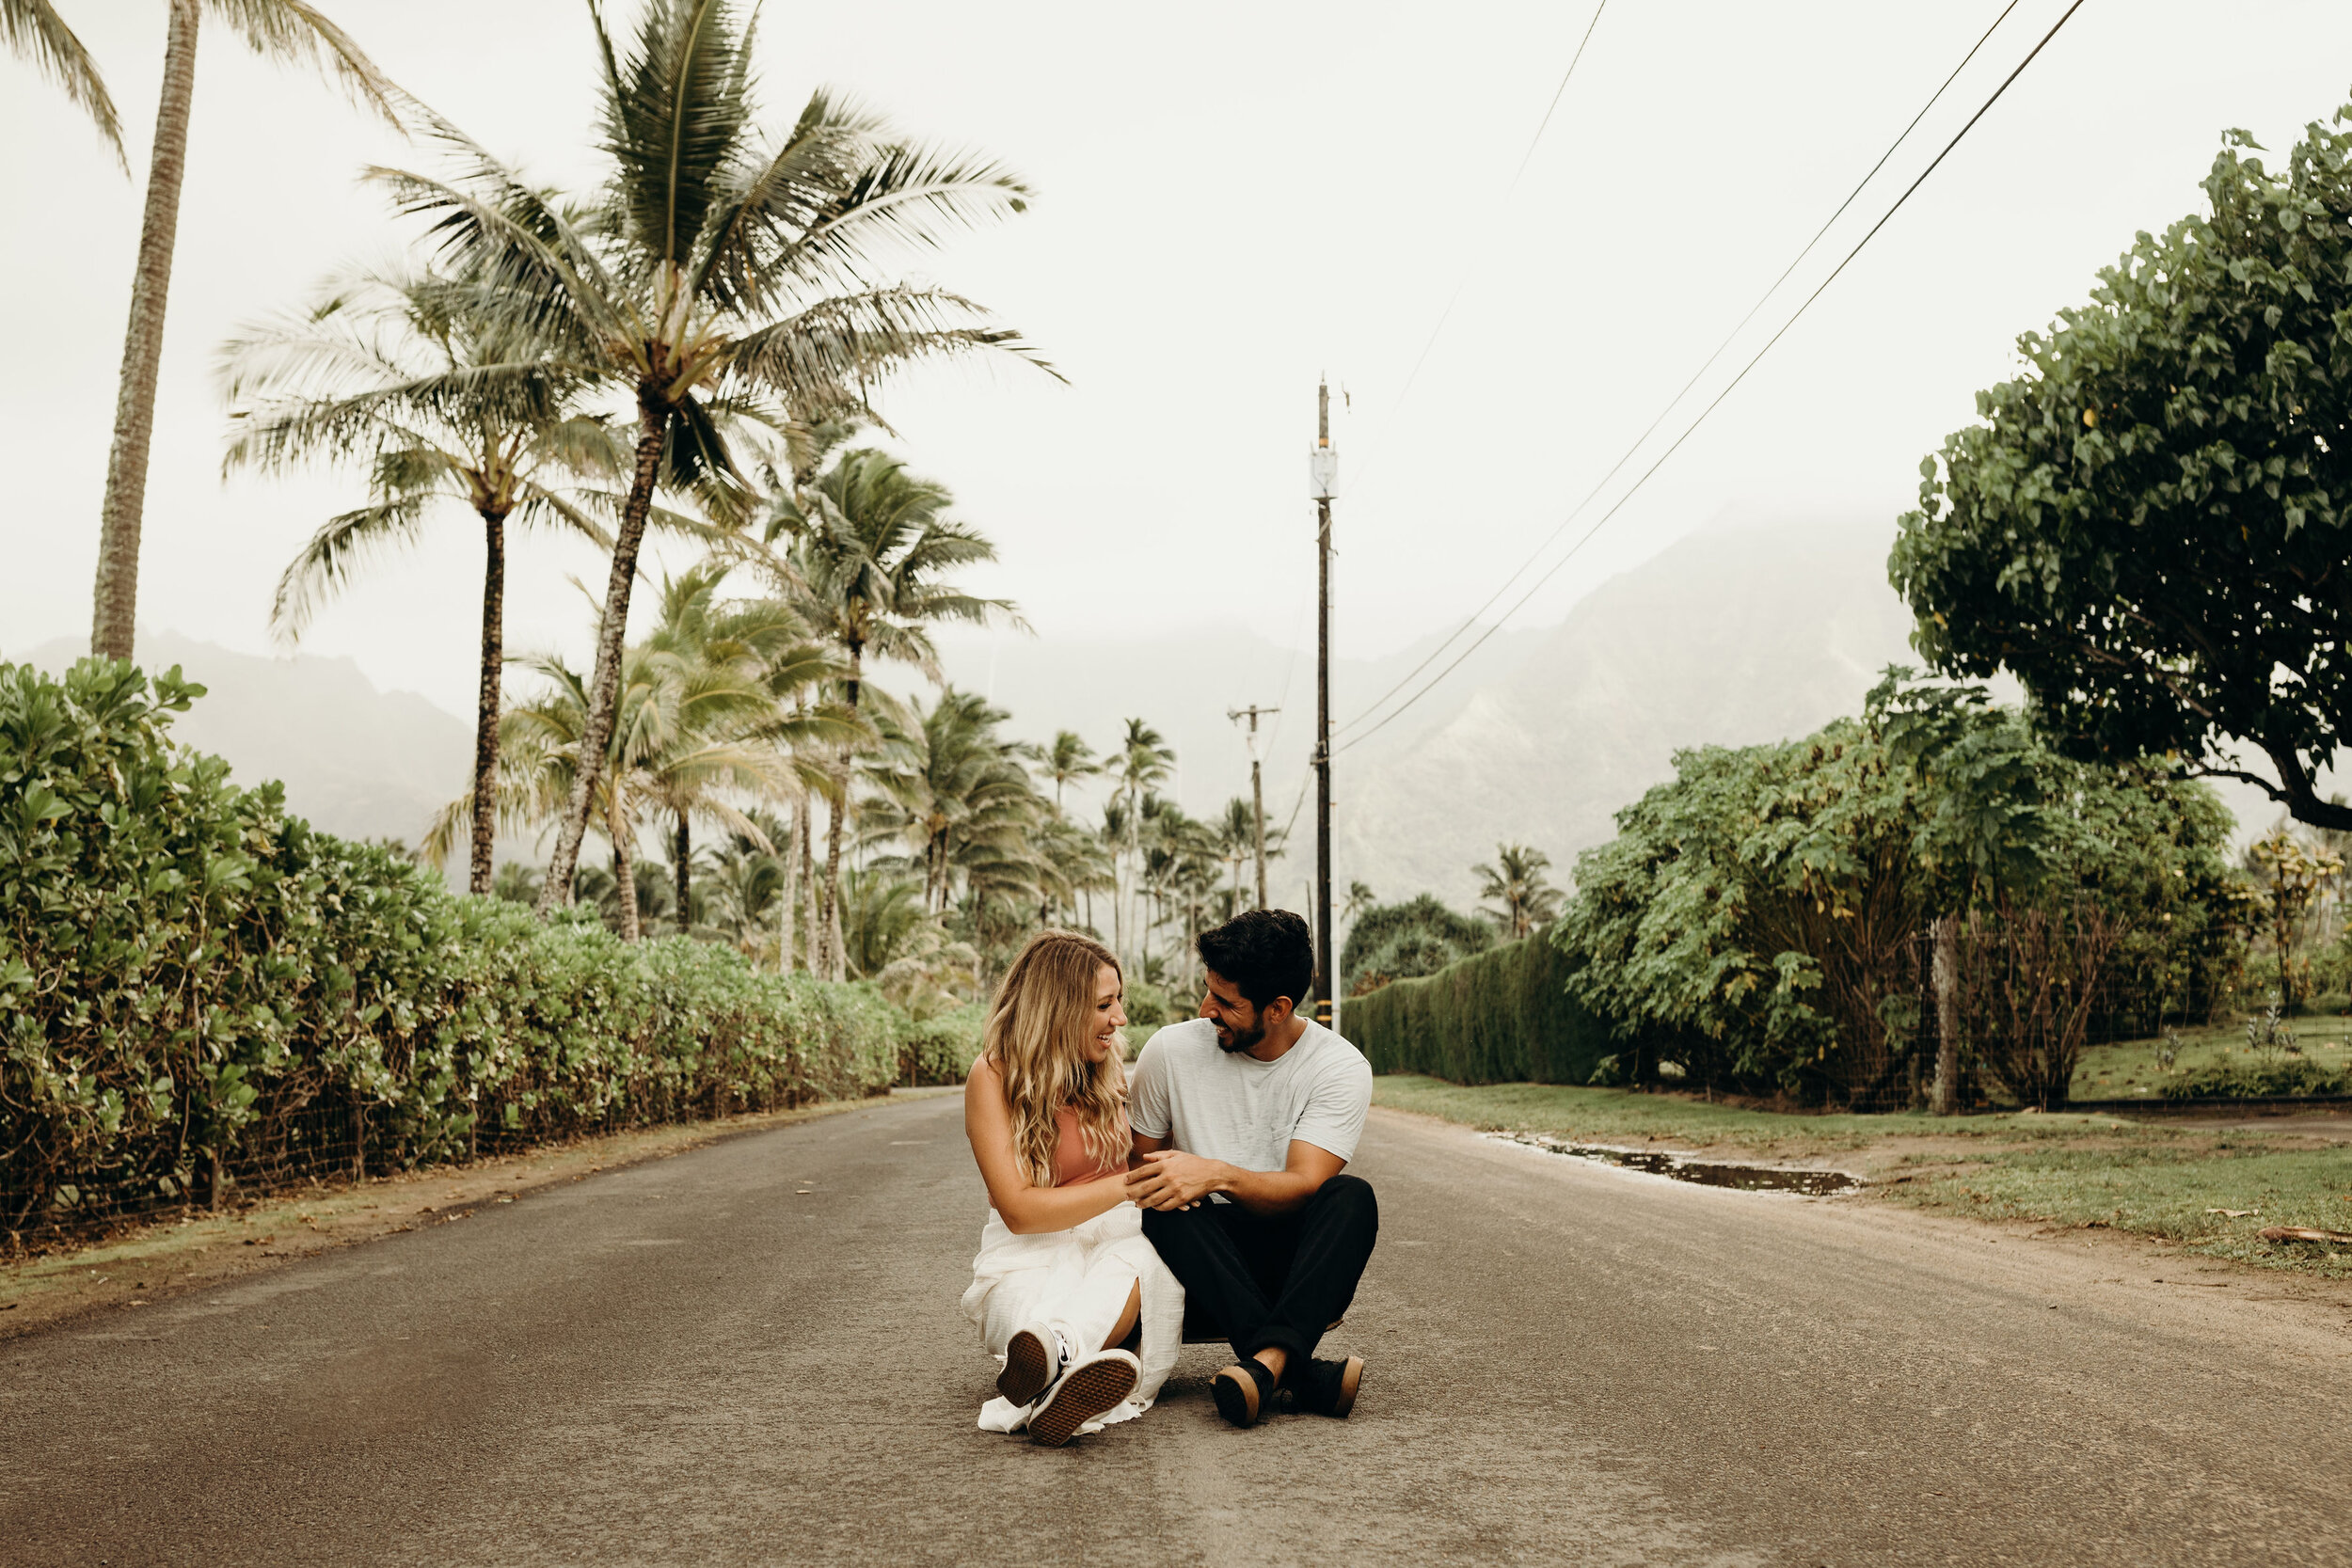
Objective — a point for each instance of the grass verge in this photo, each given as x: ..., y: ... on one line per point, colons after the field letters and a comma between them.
x: 2210, y: 1191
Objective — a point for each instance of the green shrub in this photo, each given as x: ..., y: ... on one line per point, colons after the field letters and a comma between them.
x: 201, y: 991
x: 1409, y: 940
x: 2281, y: 1077
x: 1502, y: 1015
x: 942, y: 1049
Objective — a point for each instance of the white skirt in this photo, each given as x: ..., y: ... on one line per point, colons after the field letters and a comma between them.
x: 1075, y: 1281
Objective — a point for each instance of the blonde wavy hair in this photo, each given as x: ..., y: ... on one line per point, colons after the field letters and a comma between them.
x: 1037, y: 1035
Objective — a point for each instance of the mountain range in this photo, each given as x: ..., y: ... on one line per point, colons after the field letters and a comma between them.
x: 1729, y: 637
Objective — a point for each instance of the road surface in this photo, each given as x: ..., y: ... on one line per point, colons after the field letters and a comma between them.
x: 751, y: 1354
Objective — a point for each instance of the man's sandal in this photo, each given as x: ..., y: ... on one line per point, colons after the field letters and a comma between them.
x: 1243, y: 1392
x: 1328, y: 1388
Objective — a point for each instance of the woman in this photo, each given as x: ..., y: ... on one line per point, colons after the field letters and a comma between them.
x: 1064, y: 1274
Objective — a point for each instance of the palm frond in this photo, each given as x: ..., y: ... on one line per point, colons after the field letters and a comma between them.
x: 675, y: 110
x: 33, y: 30
x: 829, y: 353
x: 297, y: 32
x: 327, y: 562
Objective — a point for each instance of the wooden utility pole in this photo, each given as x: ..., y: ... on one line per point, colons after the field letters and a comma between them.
x: 1324, y: 468
x: 1257, y: 789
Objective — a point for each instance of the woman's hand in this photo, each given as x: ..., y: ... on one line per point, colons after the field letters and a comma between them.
x: 1171, y: 1178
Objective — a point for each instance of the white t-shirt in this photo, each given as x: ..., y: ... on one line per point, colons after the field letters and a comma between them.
x: 1230, y: 1106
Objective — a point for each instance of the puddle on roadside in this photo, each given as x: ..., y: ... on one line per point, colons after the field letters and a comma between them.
x: 1685, y: 1167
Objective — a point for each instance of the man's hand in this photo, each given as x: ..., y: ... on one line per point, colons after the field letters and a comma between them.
x: 1170, y: 1178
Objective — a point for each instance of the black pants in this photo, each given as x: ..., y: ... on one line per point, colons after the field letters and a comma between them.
x: 1270, y: 1281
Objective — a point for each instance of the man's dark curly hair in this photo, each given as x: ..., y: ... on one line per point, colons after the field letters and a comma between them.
x: 1265, y: 954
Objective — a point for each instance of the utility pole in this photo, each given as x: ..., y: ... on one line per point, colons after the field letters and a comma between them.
x: 1324, y: 470
x: 1257, y: 789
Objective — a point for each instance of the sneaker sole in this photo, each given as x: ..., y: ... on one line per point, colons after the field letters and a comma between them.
x: 1028, y: 1370
x: 1236, y: 1395
x: 1350, y: 1380
x: 1083, y: 1395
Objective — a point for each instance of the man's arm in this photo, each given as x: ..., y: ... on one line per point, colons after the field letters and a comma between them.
x: 1163, y: 1178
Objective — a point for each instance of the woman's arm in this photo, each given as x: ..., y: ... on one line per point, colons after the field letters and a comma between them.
x: 1027, y: 1211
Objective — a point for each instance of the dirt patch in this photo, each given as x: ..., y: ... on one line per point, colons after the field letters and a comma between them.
x: 146, y: 1262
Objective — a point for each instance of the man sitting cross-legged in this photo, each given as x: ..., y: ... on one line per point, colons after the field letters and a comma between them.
x: 1242, y: 1118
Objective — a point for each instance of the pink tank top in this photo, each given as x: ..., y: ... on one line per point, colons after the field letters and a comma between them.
x: 1070, y: 1161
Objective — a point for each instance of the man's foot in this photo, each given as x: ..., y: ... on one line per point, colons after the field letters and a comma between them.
x: 1032, y: 1360
x: 1095, y: 1385
x: 1243, y: 1392
x: 1328, y: 1388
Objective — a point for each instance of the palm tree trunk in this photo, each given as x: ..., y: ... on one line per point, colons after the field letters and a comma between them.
x: 811, y: 942
x: 788, y: 896
x: 836, y: 962
x: 685, y: 874
x: 486, y: 721
x: 611, y: 632
x: 625, y: 871
x: 113, y: 612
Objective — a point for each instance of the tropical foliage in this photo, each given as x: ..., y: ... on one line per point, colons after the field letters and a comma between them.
x: 719, y: 280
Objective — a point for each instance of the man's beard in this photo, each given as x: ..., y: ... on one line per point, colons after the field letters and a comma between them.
x: 1232, y: 1041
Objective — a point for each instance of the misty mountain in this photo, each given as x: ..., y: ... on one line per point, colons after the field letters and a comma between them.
x: 357, y: 762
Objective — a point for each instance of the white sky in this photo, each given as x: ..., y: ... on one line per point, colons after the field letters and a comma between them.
x: 1234, y: 197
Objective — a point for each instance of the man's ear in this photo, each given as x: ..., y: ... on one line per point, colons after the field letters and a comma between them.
x: 1277, y: 1010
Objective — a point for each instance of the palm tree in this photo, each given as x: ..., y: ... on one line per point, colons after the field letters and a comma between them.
x: 1068, y: 760
x: 33, y: 30
x: 863, y: 553
x: 720, y: 279
x: 1140, y: 765
x: 956, y: 796
x: 1359, y: 898
x: 290, y: 30
x: 1521, y: 896
x: 728, y: 662
x: 442, y: 404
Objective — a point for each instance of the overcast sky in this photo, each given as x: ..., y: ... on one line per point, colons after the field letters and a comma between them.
x: 1233, y: 198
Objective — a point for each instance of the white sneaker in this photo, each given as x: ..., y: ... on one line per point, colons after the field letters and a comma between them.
x: 1033, y: 1359
x: 1095, y: 1385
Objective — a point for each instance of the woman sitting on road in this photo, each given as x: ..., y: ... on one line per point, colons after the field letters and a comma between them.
x: 1064, y: 1275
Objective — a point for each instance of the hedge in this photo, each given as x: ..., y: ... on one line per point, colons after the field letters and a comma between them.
x: 201, y: 992
x: 1500, y: 1016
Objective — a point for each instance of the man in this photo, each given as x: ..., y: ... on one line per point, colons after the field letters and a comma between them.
x: 1243, y: 1119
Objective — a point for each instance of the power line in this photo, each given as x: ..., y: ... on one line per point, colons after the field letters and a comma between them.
x: 1525, y: 158
x: 1672, y: 403
x: 1687, y: 430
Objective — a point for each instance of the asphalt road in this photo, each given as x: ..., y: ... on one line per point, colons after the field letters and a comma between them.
x: 752, y: 1354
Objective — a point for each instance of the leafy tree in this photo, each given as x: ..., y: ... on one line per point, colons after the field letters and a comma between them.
x: 1407, y: 941
x: 720, y: 279
x: 1359, y: 898
x: 2147, y: 527
x: 1520, y: 897
x: 33, y: 30
x: 1755, y: 917
x: 285, y: 30
x: 442, y: 403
